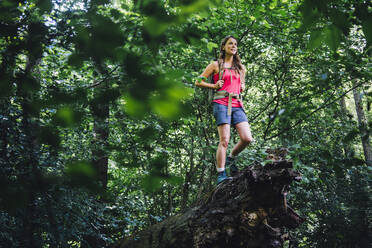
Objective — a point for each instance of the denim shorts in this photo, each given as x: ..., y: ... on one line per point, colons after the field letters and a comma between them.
x: 220, y: 114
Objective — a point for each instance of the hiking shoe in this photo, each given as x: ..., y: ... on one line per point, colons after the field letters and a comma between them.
x: 222, y: 177
x: 231, y: 164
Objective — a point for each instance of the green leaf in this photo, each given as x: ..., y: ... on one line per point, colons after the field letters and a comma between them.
x: 349, y: 137
x: 367, y: 29
x: 196, y: 6
x: 174, y: 180
x: 332, y: 37
x: 211, y: 45
x: 133, y: 107
x: 5, y: 85
x: 167, y: 102
x: 273, y: 4
x: 49, y: 135
x: 266, y: 24
x: 310, y: 14
x: 315, y: 39
x: 65, y: 117
x: 44, y: 5
x: 82, y: 173
x: 81, y: 168
x: 115, y: 13
x: 165, y: 107
x: 155, y: 27
x: 29, y: 83
x: 340, y: 19
x: 151, y: 183
x: 75, y: 60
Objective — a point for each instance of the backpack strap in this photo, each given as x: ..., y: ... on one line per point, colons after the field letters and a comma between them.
x: 223, y: 93
x: 212, y: 92
x: 221, y: 69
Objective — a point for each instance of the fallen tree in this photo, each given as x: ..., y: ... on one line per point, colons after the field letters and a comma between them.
x: 249, y: 211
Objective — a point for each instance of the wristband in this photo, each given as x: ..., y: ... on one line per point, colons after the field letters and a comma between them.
x: 201, y: 78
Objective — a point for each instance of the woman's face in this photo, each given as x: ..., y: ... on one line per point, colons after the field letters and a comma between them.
x: 231, y: 46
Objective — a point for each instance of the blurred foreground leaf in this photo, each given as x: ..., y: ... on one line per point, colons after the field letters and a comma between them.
x: 367, y: 29
x: 133, y: 106
x: 82, y: 174
x: 49, y: 135
x: 67, y: 117
x: 151, y: 183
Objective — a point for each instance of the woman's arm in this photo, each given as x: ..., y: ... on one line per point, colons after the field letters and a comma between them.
x: 210, y: 70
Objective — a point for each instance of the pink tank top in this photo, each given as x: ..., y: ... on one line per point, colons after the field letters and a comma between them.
x: 231, y: 87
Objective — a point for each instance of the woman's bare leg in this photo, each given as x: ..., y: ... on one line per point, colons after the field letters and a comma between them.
x: 245, y: 138
x: 224, y: 134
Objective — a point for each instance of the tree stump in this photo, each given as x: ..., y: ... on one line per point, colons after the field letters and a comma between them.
x: 248, y: 211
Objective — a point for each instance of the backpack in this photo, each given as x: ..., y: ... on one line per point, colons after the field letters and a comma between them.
x: 211, y: 92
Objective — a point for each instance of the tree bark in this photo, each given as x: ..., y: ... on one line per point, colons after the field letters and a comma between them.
x: 188, y: 177
x: 363, y: 127
x: 344, y: 116
x: 29, y: 163
x: 248, y: 211
x: 100, y: 111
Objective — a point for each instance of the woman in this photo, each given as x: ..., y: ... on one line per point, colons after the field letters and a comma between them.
x: 228, y: 76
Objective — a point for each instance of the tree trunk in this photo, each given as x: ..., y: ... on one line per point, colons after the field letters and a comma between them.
x: 344, y: 117
x: 188, y: 176
x: 100, y: 111
x: 29, y: 164
x: 248, y: 211
x: 363, y: 128
x: 4, y: 124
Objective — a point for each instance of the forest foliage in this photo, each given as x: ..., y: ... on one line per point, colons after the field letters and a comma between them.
x: 103, y: 132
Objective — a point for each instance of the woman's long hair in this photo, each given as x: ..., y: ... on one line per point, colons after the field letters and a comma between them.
x: 237, y: 63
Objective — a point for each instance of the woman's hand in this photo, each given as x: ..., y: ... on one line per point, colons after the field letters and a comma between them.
x: 242, y: 87
x: 218, y: 84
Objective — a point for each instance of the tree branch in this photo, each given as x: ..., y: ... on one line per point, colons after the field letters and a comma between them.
x: 103, y: 80
x: 316, y: 110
